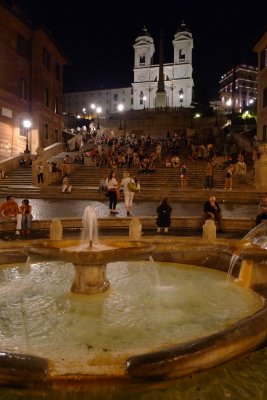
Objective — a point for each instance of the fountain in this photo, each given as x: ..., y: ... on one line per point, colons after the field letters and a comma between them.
x: 165, y: 359
x: 89, y: 256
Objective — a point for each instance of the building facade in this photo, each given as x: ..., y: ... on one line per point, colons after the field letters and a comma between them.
x: 178, y: 80
x: 31, y: 84
x: 261, y: 49
x: 78, y: 103
x: 238, y: 88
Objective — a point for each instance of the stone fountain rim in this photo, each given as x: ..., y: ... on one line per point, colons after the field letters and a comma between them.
x: 177, y: 361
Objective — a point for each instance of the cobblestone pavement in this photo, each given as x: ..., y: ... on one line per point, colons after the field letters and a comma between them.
x: 46, y: 209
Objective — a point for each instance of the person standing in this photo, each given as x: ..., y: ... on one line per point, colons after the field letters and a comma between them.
x: 228, y: 177
x: 208, y: 175
x: 128, y: 194
x: 40, y: 172
x: 112, y: 185
x: 164, y: 211
x: 9, y: 211
x: 183, y: 175
x: 26, y: 212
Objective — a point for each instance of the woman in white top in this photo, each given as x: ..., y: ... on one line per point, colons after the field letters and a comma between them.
x: 112, y: 186
x: 128, y: 195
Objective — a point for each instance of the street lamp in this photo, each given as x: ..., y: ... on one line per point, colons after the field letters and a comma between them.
x: 27, y: 124
x: 98, y: 111
x: 120, y: 109
x: 181, y: 96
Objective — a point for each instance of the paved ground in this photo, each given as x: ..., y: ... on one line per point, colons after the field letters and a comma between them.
x: 49, y: 209
x: 46, y: 209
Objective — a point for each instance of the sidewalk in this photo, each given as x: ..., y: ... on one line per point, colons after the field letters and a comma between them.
x: 49, y: 209
x: 69, y: 208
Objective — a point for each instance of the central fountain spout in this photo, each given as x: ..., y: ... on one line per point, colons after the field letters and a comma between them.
x: 90, y: 257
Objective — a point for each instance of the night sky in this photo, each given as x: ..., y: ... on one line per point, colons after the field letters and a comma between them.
x: 97, y: 37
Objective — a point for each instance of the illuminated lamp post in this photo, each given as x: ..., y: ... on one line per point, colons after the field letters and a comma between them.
x: 120, y: 109
x: 98, y: 111
x: 27, y: 124
x: 181, y: 97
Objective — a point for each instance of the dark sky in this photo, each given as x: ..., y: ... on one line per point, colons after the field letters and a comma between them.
x: 97, y: 37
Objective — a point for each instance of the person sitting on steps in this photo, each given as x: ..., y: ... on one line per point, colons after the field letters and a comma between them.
x: 66, y: 186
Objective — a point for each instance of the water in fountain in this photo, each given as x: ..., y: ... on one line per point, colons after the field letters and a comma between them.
x: 233, y: 261
x: 90, y: 228
x: 100, y: 331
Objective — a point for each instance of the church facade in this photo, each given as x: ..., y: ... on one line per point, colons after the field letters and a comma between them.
x: 178, y: 82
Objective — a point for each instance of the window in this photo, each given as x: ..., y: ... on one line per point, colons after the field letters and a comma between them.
x: 115, y: 97
x: 46, y: 59
x: 56, y: 136
x: 23, y: 47
x: 56, y: 105
x: 23, y: 132
x: 141, y: 102
x: 142, y: 60
x: 46, y: 97
x: 264, y: 97
x: 22, y: 89
x: 263, y: 58
x: 181, y: 55
x: 45, y: 135
x: 57, y: 71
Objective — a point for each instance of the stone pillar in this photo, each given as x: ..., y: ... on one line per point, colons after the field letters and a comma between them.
x: 56, y: 229
x: 90, y: 279
x: 261, y: 169
x: 135, y: 229
x: 209, y: 230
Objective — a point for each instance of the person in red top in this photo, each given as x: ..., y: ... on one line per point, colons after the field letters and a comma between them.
x: 26, y: 212
x: 9, y: 211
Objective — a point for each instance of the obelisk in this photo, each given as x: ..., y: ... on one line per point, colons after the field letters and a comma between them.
x: 161, y: 99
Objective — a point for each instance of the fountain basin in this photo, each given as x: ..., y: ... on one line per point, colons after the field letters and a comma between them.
x: 90, y: 260
x: 98, y: 254
x: 176, y: 360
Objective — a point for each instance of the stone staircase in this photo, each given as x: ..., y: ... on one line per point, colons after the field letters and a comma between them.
x: 165, y: 182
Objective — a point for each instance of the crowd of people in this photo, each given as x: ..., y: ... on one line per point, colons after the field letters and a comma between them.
x: 144, y: 154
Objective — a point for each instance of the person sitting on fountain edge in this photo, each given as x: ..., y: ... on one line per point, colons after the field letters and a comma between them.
x: 262, y: 211
x: 212, y: 210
